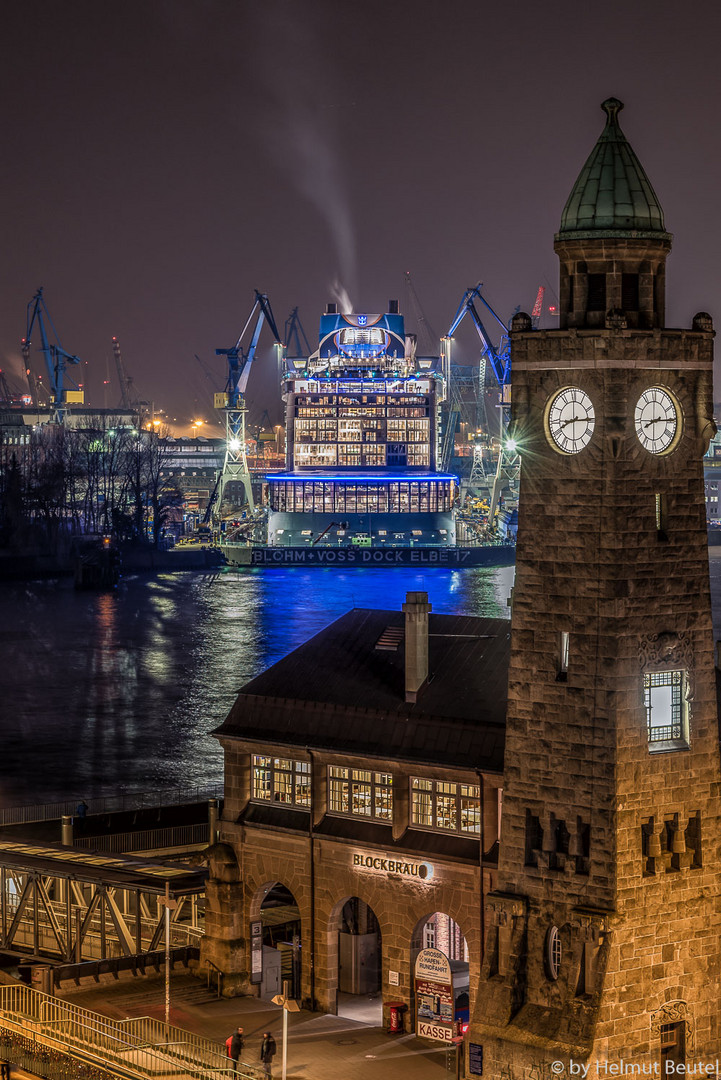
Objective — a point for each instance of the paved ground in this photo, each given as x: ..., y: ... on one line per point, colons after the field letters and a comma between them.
x: 320, y: 1047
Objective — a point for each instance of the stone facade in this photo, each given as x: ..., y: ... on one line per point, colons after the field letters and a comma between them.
x: 603, y: 935
x: 323, y: 872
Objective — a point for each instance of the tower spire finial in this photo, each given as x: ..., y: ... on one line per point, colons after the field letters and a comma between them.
x: 612, y: 107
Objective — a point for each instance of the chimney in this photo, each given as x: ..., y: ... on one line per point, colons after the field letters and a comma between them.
x: 416, y: 610
x: 331, y: 308
x: 392, y: 307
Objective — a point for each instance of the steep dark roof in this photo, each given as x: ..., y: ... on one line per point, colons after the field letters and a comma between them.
x: 339, y: 692
x: 612, y: 193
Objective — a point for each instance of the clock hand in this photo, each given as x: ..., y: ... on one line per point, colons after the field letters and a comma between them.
x: 573, y: 420
x: 654, y: 420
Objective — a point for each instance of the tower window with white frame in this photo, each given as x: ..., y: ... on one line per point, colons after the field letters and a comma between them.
x: 664, y: 696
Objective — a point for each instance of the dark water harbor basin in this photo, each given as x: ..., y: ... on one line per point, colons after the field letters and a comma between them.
x: 113, y: 691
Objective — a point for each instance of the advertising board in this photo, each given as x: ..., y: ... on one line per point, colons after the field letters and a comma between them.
x: 433, y: 984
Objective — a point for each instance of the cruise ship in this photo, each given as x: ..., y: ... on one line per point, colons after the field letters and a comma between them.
x: 362, y: 442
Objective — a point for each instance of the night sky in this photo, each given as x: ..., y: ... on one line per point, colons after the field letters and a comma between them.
x: 161, y: 159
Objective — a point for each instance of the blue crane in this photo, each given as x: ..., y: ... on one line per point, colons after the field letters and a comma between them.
x: 235, y: 465
x: 239, y: 361
x: 499, y: 358
x: 56, y: 358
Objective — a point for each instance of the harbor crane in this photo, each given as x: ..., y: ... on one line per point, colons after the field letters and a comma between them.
x: 125, y: 380
x: 499, y: 357
x: 232, y: 401
x: 56, y: 358
x: 296, y: 342
x: 538, y: 307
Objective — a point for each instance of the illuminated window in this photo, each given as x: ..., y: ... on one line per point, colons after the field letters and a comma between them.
x: 664, y: 695
x: 281, y: 780
x: 448, y: 807
x: 360, y: 792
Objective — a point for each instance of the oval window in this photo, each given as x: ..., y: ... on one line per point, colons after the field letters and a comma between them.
x: 554, y: 952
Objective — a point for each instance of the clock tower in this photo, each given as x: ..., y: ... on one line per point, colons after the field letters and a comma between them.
x: 604, y: 931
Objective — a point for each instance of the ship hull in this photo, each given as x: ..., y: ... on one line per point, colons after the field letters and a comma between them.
x: 346, y: 558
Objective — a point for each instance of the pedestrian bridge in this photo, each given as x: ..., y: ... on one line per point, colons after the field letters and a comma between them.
x: 75, y: 908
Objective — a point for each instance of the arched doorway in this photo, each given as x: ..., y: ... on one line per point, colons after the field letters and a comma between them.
x: 439, y: 931
x: 280, y: 917
x: 359, y: 968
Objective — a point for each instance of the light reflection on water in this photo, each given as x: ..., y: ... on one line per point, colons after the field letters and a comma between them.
x: 104, y: 692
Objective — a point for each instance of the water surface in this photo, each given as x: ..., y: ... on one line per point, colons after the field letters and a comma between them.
x: 104, y: 692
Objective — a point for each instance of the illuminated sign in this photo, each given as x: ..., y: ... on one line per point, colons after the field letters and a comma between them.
x: 422, y: 871
x: 256, y: 951
x: 364, y: 556
x: 433, y: 965
x: 434, y: 996
x: 439, y: 1032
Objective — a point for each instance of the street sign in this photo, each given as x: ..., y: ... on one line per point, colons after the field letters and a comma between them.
x: 438, y: 1032
x: 475, y: 1059
x: 256, y: 951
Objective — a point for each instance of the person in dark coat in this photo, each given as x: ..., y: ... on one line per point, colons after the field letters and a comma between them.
x: 81, y: 815
x: 267, y: 1053
x: 237, y: 1042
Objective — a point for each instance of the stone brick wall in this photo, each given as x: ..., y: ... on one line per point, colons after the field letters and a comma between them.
x: 592, y: 562
x: 400, y: 903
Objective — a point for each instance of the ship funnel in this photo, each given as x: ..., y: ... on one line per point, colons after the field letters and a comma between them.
x: 331, y: 308
x: 392, y: 307
x: 416, y: 610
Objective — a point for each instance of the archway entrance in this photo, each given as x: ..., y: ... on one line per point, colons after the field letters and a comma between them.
x: 359, y: 963
x: 439, y: 931
x: 280, y: 917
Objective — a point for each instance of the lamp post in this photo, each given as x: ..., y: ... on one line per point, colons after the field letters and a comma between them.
x: 288, y: 1005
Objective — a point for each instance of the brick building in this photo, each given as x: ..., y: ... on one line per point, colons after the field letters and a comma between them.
x: 603, y: 932
x: 362, y: 774
x: 364, y: 771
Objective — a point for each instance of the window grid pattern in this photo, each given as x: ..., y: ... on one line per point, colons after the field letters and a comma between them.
x: 663, y: 698
x: 363, y: 497
x: 445, y: 806
x: 281, y: 780
x: 360, y: 793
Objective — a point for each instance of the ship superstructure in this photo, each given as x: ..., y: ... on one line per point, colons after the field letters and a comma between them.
x: 362, y: 441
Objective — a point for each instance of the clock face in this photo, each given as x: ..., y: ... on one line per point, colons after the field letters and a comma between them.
x: 571, y: 420
x: 658, y: 420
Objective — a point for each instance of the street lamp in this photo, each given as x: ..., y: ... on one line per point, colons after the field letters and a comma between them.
x: 288, y: 1004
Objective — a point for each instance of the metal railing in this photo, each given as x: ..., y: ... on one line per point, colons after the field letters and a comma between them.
x: 142, y: 1047
x: 147, y: 839
x: 110, y: 804
x: 98, y: 943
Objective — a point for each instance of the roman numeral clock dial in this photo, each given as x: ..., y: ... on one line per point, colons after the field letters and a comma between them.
x: 570, y: 420
x: 658, y: 420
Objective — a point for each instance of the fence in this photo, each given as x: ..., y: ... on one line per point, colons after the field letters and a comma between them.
x: 112, y: 804
x: 147, y: 839
x: 139, y: 1048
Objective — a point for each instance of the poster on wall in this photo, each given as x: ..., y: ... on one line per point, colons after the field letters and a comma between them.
x: 433, y: 984
x: 256, y: 951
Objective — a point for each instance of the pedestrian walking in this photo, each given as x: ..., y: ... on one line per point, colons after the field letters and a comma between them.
x: 267, y: 1053
x: 235, y: 1044
x: 81, y: 813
